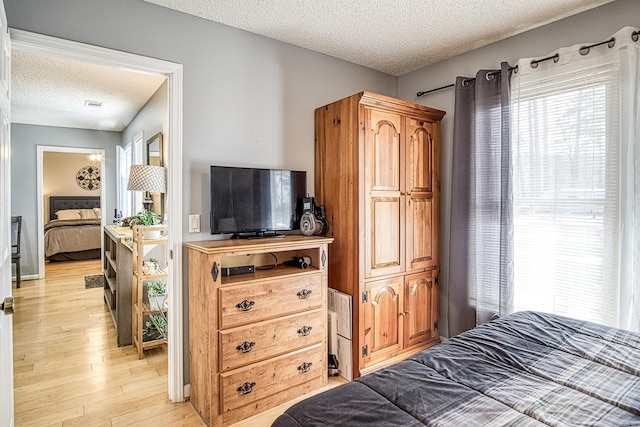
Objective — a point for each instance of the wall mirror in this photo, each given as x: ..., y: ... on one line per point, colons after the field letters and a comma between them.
x: 154, y: 158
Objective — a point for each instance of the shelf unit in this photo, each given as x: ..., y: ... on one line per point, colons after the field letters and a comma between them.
x: 117, y: 280
x: 145, y: 248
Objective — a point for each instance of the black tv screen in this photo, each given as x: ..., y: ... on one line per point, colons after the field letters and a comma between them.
x: 250, y: 200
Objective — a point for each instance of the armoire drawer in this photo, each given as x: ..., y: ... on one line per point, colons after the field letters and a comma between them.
x: 248, y: 344
x: 246, y: 385
x: 253, y: 302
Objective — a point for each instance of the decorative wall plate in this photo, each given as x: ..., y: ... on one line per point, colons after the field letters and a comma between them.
x: 88, y: 178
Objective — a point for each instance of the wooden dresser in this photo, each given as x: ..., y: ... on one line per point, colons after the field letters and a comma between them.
x: 258, y: 339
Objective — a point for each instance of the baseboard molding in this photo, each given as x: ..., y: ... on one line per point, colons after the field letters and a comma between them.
x: 29, y: 277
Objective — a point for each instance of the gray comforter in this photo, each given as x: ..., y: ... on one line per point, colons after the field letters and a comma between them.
x: 525, y: 369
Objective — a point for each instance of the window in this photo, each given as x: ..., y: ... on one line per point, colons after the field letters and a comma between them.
x: 566, y: 167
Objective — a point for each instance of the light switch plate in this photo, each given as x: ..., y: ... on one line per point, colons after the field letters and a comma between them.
x: 194, y: 223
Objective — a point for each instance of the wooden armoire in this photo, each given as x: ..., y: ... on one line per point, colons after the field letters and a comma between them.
x: 377, y: 162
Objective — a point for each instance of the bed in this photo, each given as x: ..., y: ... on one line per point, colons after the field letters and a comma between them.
x: 73, y: 231
x: 525, y: 369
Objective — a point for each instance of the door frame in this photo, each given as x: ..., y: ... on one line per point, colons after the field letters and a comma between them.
x: 38, y: 43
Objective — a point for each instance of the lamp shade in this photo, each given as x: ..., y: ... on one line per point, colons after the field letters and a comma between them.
x: 147, y: 178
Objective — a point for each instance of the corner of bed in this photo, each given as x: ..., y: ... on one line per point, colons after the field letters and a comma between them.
x: 527, y: 368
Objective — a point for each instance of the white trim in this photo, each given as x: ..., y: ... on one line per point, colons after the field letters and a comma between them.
x: 41, y: 149
x: 174, y: 211
x: 32, y: 42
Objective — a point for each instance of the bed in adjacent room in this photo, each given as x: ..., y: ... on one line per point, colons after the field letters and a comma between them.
x: 74, y: 229
x: 525, y: 369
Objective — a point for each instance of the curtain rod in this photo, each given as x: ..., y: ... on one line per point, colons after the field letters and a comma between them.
x: 470, y: 79
x: 584, y: 50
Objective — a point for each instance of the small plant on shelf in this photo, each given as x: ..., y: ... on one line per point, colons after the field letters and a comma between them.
x: 159, y: 322
x: 144, y: 217
x: 157, y: 292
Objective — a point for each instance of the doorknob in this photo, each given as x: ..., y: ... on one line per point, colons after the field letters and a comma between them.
x: 8, y: 305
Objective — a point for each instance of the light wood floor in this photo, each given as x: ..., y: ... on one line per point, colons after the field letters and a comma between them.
x: 68, y: 370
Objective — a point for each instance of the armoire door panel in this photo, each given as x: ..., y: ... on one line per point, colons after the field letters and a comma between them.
x: 420, y: 156
x: 419, y: 317
x: 384, y: 151
x: 381, y: 313
x: 421, y: 232
x: 385, y: 240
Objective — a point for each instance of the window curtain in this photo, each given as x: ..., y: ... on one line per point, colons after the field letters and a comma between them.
x: 576, y: 182
x: 481, y: 255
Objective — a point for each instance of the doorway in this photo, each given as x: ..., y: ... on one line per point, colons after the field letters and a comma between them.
x: 23, y: 40
x: 40, y: 192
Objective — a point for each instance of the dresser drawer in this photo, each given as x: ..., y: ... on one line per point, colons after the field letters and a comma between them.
x: 243, y: 304
x: 263, y: 379
x: 252, y: 343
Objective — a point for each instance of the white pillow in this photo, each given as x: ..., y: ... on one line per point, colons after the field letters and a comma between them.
x: 68, y: 214
x: 98, y: 212
x: 87, y: 214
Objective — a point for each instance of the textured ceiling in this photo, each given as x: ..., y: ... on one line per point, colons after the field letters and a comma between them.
x: 392, y: 36
x: 51, y: 91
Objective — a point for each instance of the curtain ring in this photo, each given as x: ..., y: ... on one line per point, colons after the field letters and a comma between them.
x: 466, y: 82
x: 612, y: 42
x: 490, y: 76
x: 634, y: 36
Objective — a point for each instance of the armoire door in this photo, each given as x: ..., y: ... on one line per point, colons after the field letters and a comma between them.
x: 382, y: 327
x: 422, y: 202
x: 420, y: 308
x: 384, y: 204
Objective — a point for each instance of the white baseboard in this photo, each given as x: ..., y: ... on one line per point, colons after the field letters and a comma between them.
x: 187, y: 391
x: 29, y: 277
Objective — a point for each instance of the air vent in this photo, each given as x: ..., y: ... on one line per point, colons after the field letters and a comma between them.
x: 90, y: 103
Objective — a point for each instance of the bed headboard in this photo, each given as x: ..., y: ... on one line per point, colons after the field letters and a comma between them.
x: 57, y: 203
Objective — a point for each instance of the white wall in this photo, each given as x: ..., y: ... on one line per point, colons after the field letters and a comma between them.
x: 588, y: 27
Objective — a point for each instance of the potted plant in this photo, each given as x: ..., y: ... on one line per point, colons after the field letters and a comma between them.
x: 159, y: 321
x: 145, y: 217
x: 156, y: 292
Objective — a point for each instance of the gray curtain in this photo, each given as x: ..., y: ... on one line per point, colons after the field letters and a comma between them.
x: 481, y: 247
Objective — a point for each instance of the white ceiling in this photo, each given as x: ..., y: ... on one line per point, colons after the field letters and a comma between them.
x: 392, y: 36
x: 51, y: 91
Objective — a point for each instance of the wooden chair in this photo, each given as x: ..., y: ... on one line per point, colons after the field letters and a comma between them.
x: 15, y: 247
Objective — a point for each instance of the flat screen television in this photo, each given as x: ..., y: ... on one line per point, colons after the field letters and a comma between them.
x: 251, y: 202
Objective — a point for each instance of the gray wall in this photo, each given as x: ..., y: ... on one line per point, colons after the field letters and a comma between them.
x: 24, y: 142
x: 588, y: 27
x: 248, y: 100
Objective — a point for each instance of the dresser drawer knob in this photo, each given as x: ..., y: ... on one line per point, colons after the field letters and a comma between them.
x: 245, y: 305
x: 305, y: 367
x: 305, y: 331
x: 246, y: 346
x: 304, y: 294
x: 246, y: 388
